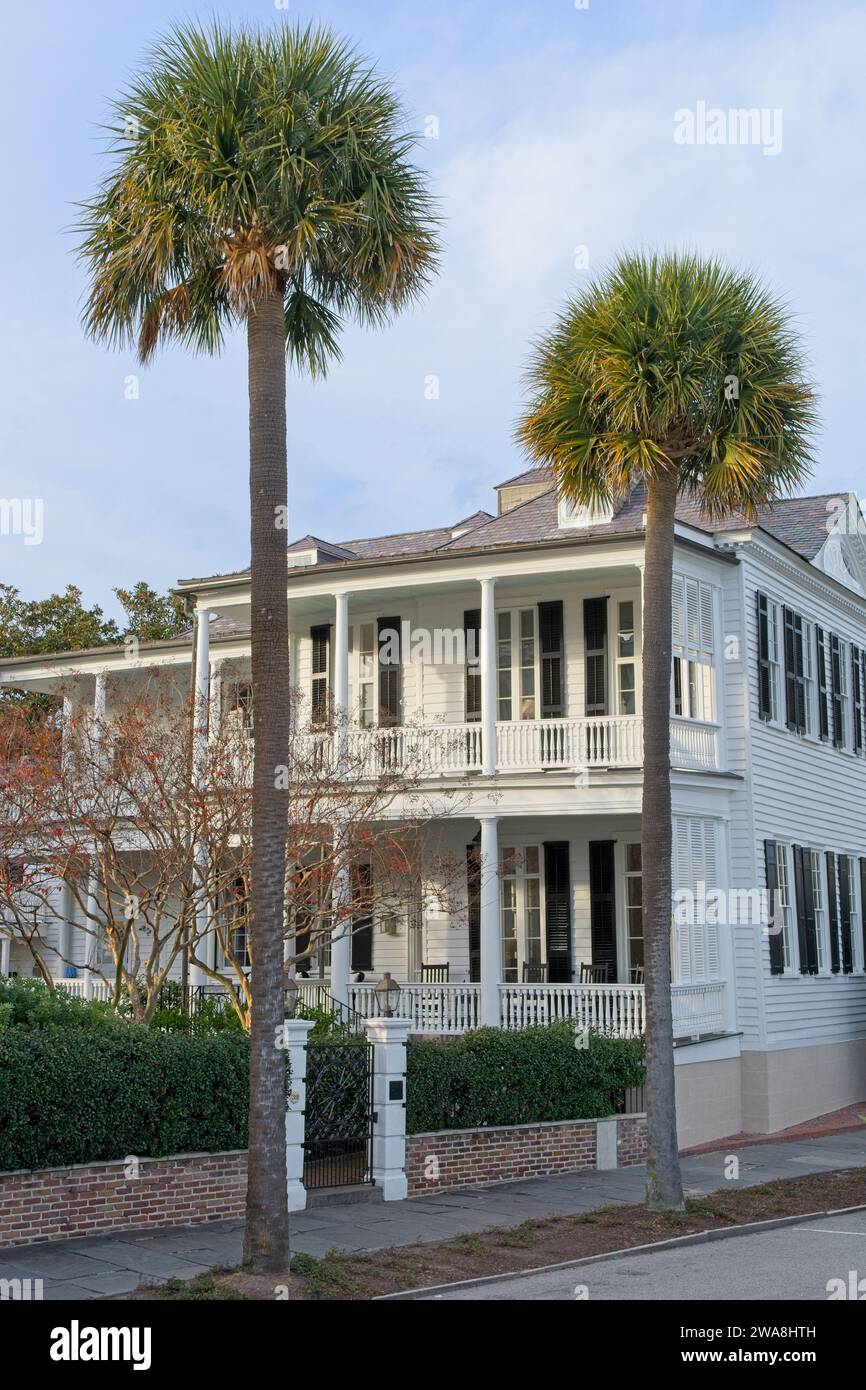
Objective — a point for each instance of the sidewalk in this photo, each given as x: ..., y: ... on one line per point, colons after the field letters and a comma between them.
x: 104, y: 1266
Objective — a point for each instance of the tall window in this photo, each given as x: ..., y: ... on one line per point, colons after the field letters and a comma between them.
x: 362, y: 657
x: 853, y: 907
x: 626, y: 667
x: 693, y: 695
x: 520, y: 910
x: 784, y: 905
x: 516, y: 645
x: 819, y: 903
x: 634, y: 906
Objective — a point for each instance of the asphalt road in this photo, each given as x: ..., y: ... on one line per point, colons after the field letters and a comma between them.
x: 793, y: 1263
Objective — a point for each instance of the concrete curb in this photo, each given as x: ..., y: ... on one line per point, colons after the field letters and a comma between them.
x: 695, y: 1238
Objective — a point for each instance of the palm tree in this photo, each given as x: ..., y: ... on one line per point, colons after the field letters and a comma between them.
x: 684, y: 375
x: 263, y: 181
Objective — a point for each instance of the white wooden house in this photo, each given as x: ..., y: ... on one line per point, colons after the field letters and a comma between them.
x: 542, y: 738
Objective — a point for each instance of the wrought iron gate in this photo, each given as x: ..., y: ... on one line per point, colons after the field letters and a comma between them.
x: 338, y: 1120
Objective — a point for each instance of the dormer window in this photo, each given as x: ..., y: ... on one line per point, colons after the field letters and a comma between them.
x: 296, y: 558
x: 576, y: 516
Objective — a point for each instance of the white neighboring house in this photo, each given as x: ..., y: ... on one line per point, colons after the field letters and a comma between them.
x: 543, y: 737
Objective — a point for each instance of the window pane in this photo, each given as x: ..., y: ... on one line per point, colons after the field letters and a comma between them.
x: 626, y: 629
x: 531, y: 859
x: 633, y: 858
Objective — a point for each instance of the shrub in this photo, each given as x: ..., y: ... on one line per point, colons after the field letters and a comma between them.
x: 79, y: 1095
x: 28, y: 1003
x: 80, y: 1083
x: 493, y: 1077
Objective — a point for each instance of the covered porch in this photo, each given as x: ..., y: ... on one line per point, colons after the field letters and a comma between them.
x: 543, y: 922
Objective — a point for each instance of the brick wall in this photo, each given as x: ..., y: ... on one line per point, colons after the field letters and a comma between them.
x: 465, y: 1157
x: 90, y: 1198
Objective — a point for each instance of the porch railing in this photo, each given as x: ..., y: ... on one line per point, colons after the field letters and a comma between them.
x: 614, y: 1009
x: 432, y: 1008
x: 618, y: 1010
x: 521, y: 745
x: 698, y: 1008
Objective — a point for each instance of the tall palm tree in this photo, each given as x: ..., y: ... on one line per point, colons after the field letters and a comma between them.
x: 682, y: 374
x: 262, y: 181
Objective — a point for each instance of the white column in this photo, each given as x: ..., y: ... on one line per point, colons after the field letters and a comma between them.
x: 296, y: 1031
x: 99, y: 699
x: 488, y: 678
x: 5, y: 956
x: 64, y: 929
x: 491, y: 938
x: 341, y: 676
x: 388, y: 1036
x: 341, y: 937
x: 216, y: 697
x: 91, y: 922
x: 201, y: 704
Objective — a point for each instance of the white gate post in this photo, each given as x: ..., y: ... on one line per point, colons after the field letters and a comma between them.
x: 295, y: 1035
x: 388, y: 1036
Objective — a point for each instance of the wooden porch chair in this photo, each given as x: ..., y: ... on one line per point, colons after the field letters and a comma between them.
x: 594, y: 974
x: 637, y: 975
x: 435, y: 974
x: 534, y: 974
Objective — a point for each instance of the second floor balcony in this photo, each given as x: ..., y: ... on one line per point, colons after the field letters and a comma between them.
x: 527, y: 745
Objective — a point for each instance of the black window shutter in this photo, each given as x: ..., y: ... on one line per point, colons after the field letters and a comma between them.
x: 823, y: 693
x: 472, y: 630
x: 320, y: 636
x: 557, y: 896
x: 863, y: 907
x: 390, y: 672
x: 473, y: 898
x: 777, y: 949
x: 362, y: 923
x: 550, y: 635
x: 795, y: 681
x: 856, y: 672
x: 790, y: 672
x: 765, y: 703
x: 845, y: 913
x: 836, y: 690
x: 805, y: 911
x: 595, y: 649
x: 602, y: 902
x: 833, y: 912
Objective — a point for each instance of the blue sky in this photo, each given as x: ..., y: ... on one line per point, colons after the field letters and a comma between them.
x: 555, y: 132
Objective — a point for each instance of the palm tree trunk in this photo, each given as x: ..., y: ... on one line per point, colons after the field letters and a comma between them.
x: 266, y: 1241
x: 664, y: 1181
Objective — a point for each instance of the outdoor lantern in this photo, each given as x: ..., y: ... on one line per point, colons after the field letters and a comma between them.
x: 292, y: 996
x: 387, y: 993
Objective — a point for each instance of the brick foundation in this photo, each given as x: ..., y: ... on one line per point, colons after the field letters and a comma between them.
x: 90, y: 1198
x: 467, y: 1157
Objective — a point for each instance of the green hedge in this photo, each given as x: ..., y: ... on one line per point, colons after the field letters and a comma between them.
x: 78, y: 1095
x: 79, y: 1084
x: 492, y: 1077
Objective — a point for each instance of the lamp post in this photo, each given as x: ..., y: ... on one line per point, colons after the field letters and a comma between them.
x: 292, y: 996
x: 386, y: 994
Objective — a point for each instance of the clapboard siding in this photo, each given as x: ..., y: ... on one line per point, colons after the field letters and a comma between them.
x: 803, y: 792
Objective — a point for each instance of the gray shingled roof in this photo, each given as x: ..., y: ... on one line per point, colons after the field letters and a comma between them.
x: 538, y: 474
x: 798, y: 522
x: 411, y: 542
